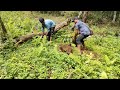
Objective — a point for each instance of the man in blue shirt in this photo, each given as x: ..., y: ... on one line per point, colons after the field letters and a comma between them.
x: 83, y: 31
x: 50, y: 25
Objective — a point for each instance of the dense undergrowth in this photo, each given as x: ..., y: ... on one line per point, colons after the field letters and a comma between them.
x: 39, y: 59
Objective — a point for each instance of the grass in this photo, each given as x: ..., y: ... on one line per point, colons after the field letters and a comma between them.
x: 38, y: 59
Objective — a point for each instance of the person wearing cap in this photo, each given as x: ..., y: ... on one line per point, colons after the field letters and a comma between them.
x: 50, y: 25
x: 83, y: 32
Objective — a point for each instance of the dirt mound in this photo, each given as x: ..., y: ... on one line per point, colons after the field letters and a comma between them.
x: 66, y: 48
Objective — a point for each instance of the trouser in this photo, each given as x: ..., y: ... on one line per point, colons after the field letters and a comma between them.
x: 50, y: 33
x: 80, y: 39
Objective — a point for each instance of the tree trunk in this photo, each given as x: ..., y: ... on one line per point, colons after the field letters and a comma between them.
x: 3, y: 26
x: 85, y: 14
x: 80, y: 13
x: 114, y: 16
x: 4, y: 31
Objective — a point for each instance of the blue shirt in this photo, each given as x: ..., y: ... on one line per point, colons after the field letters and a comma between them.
x: 84, y: 29
x: 48, y: 24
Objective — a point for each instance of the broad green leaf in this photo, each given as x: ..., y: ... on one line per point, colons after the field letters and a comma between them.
x: 103, y: 75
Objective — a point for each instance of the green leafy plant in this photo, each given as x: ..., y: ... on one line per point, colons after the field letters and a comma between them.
x: 40, y: 59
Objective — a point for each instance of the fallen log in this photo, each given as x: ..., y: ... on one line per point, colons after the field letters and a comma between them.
x: 25, y: 38
x: 63, y: 24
